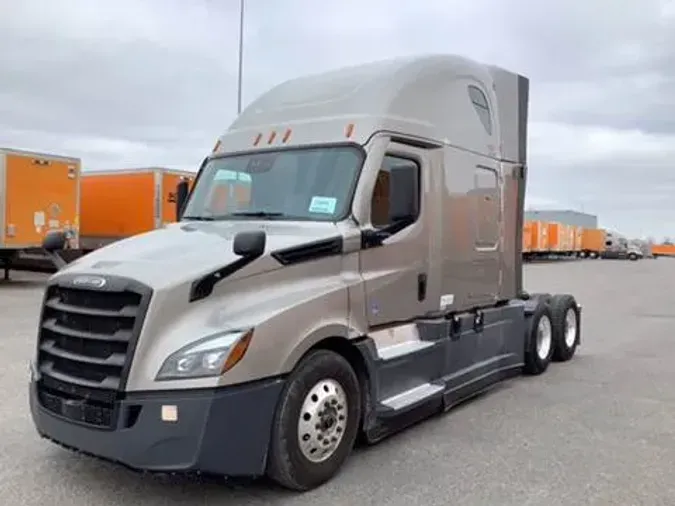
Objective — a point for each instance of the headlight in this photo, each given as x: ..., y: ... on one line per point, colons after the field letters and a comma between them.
x: 211, y: 356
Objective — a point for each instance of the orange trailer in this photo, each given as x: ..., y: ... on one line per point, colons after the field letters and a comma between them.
x: 593, y: 242
x: 38, y: 192
x: 578, y: 233
x: 535, y: 238
x: 663, y: 250
x: 116, y: 204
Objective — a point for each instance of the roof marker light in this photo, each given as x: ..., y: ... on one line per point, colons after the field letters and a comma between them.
x: 257, y: 139
x: 217, y: 146
x: 273, y: 135
x: 287, y: 135
x: 349, y: 130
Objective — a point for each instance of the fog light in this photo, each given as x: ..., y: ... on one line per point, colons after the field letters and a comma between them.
x: 169, y: 413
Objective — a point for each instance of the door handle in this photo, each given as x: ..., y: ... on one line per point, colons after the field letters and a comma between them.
x: 421, y: 287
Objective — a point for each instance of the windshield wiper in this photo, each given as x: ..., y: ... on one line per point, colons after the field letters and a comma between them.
x: 258, y: 214
x: 199, y: 218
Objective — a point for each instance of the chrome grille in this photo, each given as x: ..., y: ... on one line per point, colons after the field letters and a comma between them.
x: 86, y: 342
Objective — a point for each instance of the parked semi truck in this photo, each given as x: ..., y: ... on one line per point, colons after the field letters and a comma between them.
x: 39, y: 192
x: 372, y: 277
x: 618, y: 247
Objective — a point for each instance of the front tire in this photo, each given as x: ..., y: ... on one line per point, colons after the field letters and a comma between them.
x: 316, y: 422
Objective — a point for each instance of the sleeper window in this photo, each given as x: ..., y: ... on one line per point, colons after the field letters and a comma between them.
x: 480, y: 104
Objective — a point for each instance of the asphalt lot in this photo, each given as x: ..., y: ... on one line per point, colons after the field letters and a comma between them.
x: 599, y: 430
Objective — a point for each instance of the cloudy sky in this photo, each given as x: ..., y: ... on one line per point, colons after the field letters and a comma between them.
x: 153, y: 82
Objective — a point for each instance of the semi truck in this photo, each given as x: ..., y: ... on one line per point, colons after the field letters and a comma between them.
x: 618, y: 247
x: 39, y: 192
x: 371, y: 277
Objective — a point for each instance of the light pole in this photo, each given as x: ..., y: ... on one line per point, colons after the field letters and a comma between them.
x: 241, y: 54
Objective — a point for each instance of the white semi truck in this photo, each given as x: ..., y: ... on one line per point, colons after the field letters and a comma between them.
x: 370, y: 276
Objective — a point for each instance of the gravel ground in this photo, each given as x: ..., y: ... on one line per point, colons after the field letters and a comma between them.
x: 599, y: 430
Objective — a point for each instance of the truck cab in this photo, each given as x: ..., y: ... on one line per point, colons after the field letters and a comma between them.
x: 364, y: 272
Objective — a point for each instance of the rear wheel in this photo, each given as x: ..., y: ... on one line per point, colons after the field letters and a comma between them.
x: 539, y: 340
x: 632, y: 256
x: 316, y: 422
x: 566, y: 326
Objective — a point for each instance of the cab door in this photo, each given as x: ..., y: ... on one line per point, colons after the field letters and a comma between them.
x: 395, y: 259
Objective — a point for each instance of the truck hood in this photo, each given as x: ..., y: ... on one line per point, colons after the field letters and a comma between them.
x: 182, y: 252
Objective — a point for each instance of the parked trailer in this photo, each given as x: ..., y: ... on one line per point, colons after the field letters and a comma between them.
x: 117, y: 204
x: 39, y: 192
x: 578, y: 235
x: 663, y: 250
x: 560, y: 239
x: 536, y: 233
x: 336, y: 301
x: 593, y: 242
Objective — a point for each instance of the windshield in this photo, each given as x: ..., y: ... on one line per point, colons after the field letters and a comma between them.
x: 294, y: 184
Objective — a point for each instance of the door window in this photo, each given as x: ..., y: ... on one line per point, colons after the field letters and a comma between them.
x: 396, y: 196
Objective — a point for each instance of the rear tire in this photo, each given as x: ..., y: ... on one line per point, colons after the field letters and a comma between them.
x: 539, y: 342
x: 316, y: 422
x: 566, y: 326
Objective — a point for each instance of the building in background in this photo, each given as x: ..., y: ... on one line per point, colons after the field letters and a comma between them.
x: 568, y: 217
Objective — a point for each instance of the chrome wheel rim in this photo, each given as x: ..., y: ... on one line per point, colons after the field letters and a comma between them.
x: 570, y: 327
x: 323, y: 421
x: 544, y: 339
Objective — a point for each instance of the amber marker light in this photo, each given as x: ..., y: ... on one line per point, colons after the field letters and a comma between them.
x: 238, y: 351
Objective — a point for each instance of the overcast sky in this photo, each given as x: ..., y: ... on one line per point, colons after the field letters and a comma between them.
x: 134, y: 83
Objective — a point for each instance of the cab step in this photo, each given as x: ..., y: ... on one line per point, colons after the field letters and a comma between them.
x: 410, y: 399
x: 402, y: 349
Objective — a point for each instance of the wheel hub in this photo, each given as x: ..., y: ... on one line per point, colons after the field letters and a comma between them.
x: 322, y: 421
x: 570, y: 327
x: 544, y: 337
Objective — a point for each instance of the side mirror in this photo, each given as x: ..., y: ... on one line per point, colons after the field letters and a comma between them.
x: 182, y: 191
x: 404, y: 194
x: 250, y: 244
x: 55, y: 240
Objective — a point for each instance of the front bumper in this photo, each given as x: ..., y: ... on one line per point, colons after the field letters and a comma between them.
x: 222, y: 431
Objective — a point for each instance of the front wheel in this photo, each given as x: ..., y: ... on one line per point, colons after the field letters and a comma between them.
x: 316, y: 422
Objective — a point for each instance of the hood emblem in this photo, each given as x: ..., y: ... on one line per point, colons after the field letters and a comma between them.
x: 91, y: 281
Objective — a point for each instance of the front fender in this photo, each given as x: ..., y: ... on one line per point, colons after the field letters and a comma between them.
x: 291, y: 310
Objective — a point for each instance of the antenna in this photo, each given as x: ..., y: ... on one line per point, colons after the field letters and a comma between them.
x: 241, y: 54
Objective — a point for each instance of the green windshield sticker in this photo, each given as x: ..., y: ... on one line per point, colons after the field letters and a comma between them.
x: 324, y: 205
